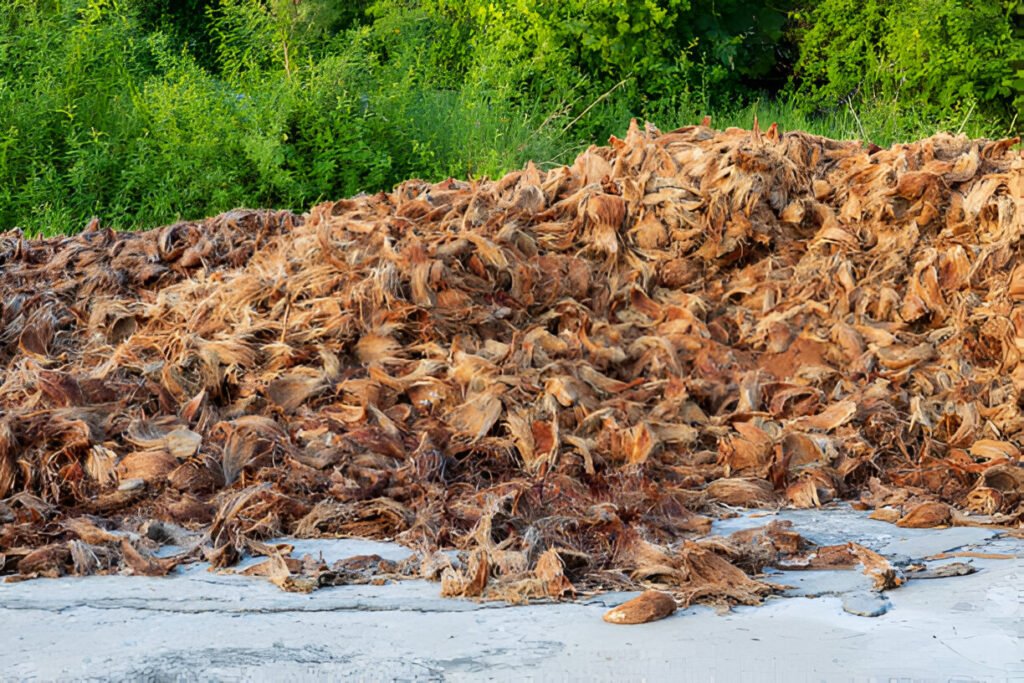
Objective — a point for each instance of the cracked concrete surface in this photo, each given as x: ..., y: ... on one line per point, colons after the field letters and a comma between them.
x: 202, y: 626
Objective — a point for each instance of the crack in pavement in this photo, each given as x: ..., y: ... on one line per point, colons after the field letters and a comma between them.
x: 242, y: 610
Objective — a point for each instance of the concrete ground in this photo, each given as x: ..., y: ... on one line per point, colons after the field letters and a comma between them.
x: 197, y: 625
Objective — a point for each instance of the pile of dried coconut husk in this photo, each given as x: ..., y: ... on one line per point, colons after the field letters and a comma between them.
x: 565, y: 374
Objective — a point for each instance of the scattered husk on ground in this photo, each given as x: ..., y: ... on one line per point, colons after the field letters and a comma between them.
x: 563, y: 374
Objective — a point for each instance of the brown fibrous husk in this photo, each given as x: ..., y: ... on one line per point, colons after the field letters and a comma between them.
x: 564, y: 375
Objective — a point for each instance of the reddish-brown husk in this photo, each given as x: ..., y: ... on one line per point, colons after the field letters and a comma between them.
x: 564, y: 374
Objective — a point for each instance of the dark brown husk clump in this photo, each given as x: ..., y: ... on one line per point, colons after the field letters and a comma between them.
x: 564, y: 374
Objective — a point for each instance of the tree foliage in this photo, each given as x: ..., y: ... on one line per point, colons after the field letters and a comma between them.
x: 934, y: 55
x: 146, y: 111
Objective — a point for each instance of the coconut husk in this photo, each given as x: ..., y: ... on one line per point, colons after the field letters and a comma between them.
x: 562, y: 374
x: 649, y: 606
x: 925, y: 515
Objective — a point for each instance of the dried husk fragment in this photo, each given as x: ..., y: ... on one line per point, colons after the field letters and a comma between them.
x: 142, y: 563
x: 925, y: 515
x: 649, y: 606
x: 883, y: 575
x: 49, y: 561
x: 742, y: 491
x: 891, y: 515
x: 8, y: 467
x: 148, y: 466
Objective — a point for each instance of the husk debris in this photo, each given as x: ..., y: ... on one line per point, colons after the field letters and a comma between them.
x: 564, y: 374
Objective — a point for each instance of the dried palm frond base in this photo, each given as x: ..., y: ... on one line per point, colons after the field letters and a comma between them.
x: 565, y: 375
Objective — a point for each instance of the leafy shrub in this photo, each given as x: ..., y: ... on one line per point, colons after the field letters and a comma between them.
x: 104, y: 117
x: 938, y: 56
x: 146, y: 111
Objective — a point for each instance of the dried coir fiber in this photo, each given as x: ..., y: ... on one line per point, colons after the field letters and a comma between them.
x: 564, y: 374
x: 648, y: 606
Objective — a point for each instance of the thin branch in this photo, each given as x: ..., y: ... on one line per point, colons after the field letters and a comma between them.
x: 966, y: 118
x: 597, y: 101
x: 860, y: 126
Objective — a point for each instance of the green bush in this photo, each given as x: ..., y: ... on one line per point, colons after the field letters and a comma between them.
x: 943, y: 58
x: 143, y: 112
x: 67, y: 88
x: 104, y: 117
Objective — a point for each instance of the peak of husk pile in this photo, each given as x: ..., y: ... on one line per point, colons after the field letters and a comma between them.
x: 565, y: 374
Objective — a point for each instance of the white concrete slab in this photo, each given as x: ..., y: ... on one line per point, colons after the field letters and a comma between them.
x: 202, y: 626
